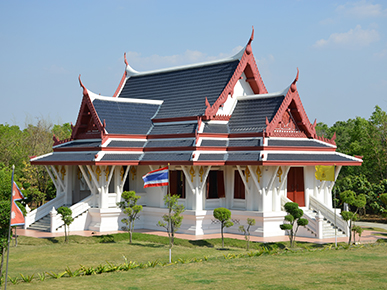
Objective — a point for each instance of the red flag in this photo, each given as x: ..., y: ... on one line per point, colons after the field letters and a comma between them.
x: 17, y: 217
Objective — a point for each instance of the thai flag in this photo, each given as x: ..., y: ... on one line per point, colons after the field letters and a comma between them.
x: 158, y: 177
x: 17, y: 217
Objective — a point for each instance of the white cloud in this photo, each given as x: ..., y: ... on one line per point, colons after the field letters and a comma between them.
x: 354, y: 38
x: 138, y: 62
x: 381, y: 54
x: 361, y: 9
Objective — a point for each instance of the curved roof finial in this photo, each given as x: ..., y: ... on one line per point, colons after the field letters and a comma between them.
x: 293, y: 86
x: 248, y: 46
x: 81, y: 84
x: 251, y: 37
x: 125, y: 60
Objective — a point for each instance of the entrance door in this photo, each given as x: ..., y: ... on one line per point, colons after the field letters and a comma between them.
x: 296, y: 185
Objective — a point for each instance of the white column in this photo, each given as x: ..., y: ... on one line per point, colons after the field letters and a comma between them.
x: 68, y: 182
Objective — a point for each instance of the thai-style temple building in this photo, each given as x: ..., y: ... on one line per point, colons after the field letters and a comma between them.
x: 229, y: 142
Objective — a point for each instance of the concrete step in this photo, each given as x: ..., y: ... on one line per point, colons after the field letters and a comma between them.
x: 44, y: 224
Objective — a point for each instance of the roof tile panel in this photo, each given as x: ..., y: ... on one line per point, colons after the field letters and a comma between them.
x: 185, y: 88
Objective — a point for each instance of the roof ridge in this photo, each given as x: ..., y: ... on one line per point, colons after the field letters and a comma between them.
x: 130, y: 72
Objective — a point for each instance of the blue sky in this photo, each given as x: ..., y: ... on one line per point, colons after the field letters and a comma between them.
x: 340, y: 48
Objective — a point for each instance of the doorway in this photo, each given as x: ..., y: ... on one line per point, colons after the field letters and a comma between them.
x: 296, y: 185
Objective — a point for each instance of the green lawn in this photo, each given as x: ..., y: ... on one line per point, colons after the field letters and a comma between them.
x: 311, y: 267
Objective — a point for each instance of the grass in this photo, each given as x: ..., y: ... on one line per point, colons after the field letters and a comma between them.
x: 314, y: 267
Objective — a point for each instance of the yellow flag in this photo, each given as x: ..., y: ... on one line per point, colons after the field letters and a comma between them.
x: 325, y: 172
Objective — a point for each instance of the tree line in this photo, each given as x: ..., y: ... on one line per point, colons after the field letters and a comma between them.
x: 17, y: 146
x: 366, y: 138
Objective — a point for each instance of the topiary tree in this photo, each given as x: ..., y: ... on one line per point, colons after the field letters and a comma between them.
x: 294, y: 219
x: 223, y: 215
x: 246, y: 231
x: 67, y: 219
x: 355, y: 201
x: 131, y: 209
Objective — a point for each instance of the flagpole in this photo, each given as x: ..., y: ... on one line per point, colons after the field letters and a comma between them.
x: 9, y: 230
x: 169, y: 222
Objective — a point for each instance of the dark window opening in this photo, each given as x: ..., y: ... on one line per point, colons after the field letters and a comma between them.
x: 239, y: 186
x: 215, y: 184
x: 126, y: 184
x: 177, y: 183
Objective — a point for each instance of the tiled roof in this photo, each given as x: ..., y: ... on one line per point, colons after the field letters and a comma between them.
x: 173, y: 129
x: 250, y: 115
x: 243, y: 156
x: 213, y: 142
x: 244, y: 142
x: 290, y: 156
x: 126, y: 144
x: 167, y: 156
x: 67, y: 156
x: 210, y: 157
x: 120, y: 117
x: 183, y: 91
x: 296, y: 143
x: 81, y: 144
x: 121, y: 157
x: 215, y: 128
x: 170, y: 143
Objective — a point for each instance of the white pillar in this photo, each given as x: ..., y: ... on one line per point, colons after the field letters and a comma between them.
x: 53, y: 214
x: 319, y: 219
x: 68, y: 184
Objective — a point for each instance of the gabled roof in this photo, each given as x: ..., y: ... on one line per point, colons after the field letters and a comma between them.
x: 250, y: 114
x: 175, y: 116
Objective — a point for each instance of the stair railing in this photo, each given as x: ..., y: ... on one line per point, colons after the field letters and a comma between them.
x: 328, y: 214
x: 43, y: 210
x: 77, y: 209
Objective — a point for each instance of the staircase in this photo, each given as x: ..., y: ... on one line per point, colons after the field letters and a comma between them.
x: 328, y: 227
x: 44, y: 224
x: 61, y: 226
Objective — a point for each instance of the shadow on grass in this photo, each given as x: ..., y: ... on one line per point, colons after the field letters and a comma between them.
x: 201, y: 243
x: 147, y: 245
x: 105, y: 239
x: 310, y: 245
x: 52, y: 240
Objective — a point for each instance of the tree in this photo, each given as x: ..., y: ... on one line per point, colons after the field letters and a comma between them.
x: 67, y: 219
x: 246, y: 231
x: 4, y: 228
x: 5, y: 200
x: 357, y: 230
x: 172, y: 221
x: 294, y: 218
x: 354, y: 201
x: 223, y: 215
x: 131, y: 209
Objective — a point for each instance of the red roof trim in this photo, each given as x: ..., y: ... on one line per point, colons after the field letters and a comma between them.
x: 302, y: 121
x: 310, y: 163
x: 87, y: 104
x: 178, y: 119
x: 248, y: 65
x: 120, y: 85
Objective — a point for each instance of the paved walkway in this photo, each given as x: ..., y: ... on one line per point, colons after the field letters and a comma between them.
x: 368, y: 236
